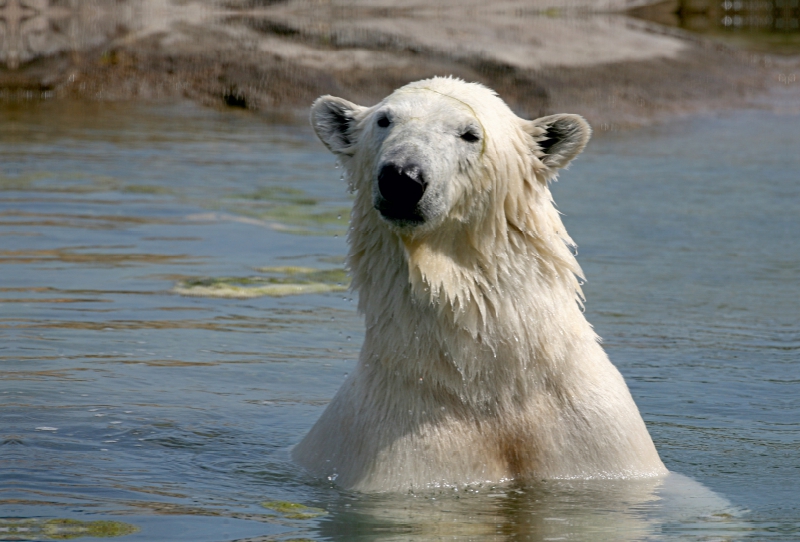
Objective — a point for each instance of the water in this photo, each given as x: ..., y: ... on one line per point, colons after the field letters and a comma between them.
x: 172, y: 415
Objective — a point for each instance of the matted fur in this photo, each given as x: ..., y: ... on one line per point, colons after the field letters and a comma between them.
x: 478, y: 364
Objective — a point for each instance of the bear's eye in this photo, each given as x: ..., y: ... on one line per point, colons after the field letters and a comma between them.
x: 470, y: 136
x: 383, y: 121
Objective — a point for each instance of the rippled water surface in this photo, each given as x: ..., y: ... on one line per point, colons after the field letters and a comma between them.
x: 151, y: 391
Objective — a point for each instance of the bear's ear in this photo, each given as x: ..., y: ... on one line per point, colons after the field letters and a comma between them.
x: 559, y: 138
x: 332, y: 119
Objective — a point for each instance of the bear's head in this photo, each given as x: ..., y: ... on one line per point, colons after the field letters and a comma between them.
x: 452, y: 197
x: 443, y: 149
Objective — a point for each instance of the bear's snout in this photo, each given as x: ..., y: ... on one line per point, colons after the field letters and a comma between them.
x: 401, y: 188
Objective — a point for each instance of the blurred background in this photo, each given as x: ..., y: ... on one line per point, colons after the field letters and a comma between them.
x: 615, y: 61
x: 174, y: 307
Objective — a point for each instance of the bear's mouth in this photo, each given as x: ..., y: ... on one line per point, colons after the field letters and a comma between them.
x: 399, y: 215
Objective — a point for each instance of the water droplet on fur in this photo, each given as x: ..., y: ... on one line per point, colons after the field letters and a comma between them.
x: 345, y: 375
x: 338, y: 217
x: 348, y: 338
x: 420, y: 380
x: 333, y: 477
x: 335, y: 235
x: 442, y: 409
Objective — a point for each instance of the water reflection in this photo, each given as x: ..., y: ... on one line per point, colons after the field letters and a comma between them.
x: 621, y: 510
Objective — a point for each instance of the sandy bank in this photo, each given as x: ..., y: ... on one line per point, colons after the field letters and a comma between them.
x: 541, y: 56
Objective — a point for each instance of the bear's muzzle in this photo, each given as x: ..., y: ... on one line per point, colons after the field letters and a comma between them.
x: 400, y: 189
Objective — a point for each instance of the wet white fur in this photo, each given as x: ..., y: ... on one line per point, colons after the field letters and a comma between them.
x: 478, y: 364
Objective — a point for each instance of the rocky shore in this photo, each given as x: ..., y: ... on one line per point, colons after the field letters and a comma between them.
x: 589, y: 57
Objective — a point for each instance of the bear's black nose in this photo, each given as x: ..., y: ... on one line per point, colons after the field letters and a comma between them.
x: 401, y: 188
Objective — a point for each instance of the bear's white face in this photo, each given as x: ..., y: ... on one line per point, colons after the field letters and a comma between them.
x: 420, y: 153
x: 426, y: 143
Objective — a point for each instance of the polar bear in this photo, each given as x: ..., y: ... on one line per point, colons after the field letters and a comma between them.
x: 478, y: 365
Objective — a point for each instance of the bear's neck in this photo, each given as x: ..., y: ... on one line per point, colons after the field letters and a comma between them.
x: 442, y: 309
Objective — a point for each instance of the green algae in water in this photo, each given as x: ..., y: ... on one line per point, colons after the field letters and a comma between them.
x: 64, y: 529
x: 279, y: 194
x: 59, y: 182
x: 293, y: 510
x: 146, y: 189
x: 301, y: 220
x: 276, y: 282
x: 291, y: 209
x: 338, y: 275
